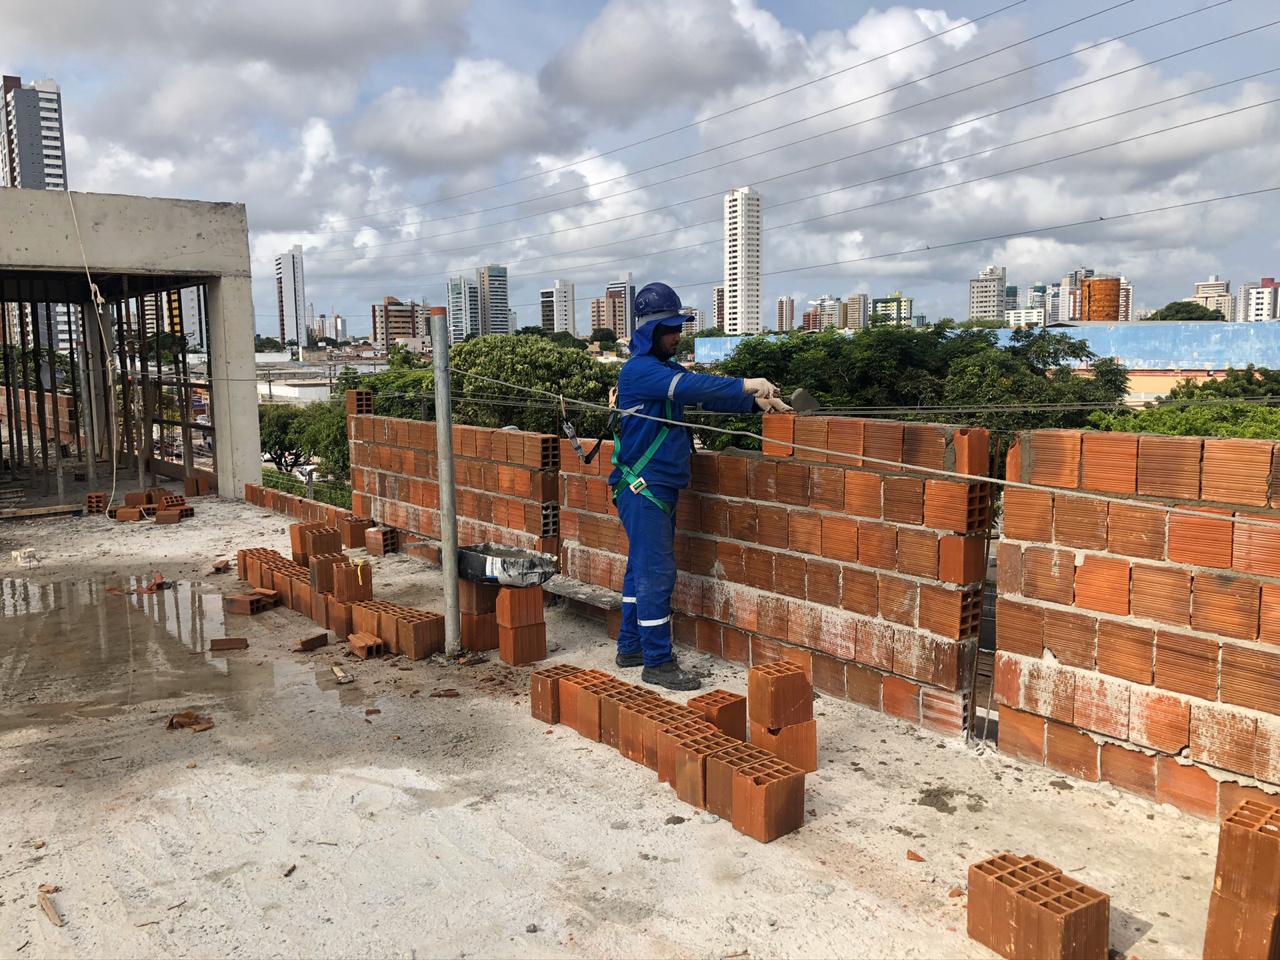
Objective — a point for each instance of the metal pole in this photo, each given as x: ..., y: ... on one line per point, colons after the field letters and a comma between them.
x: 448, y: 512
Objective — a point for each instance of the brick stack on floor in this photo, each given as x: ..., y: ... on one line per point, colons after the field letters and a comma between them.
x: 506, y: 480
x: 1244, y: 910
x: 1022, y: 907
x: 1136, y: 645
x: 478, y: 609
x: 522, y: 628
x: 867, y: 574
x: 300, y: 508
x: 319, y: 581
x: 699, y: 748
x: 157, y: 504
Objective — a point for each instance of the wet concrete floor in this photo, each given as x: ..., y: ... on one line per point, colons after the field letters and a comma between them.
x: 90, y: 648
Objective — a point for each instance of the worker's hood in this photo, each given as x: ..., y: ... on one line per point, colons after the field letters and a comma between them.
x: 642, y: 339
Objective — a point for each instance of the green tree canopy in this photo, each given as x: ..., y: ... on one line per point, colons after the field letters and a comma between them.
x: 281, y: 428
x: 1186, y: 310
x: 604, y: 335
x: 266, y: 344
x: 1250, y: 382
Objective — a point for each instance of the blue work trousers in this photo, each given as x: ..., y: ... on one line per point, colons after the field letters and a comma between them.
x: 650, y: 577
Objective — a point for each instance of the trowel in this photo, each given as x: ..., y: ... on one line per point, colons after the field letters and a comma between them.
x: 802, y: 401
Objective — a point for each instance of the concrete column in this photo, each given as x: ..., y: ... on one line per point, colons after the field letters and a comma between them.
x: 231, y: 376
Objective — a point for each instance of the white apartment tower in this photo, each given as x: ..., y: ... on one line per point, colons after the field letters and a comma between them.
x: 987, y: 295
x: 495, y: 306
x: 32, y: 154
x: 855, y: 312
x: 464, y: 309
x: 291, y: 295
x: 558, y: 313
x: 743, y: 240
x: 786, y: 316
x: 624, y: 290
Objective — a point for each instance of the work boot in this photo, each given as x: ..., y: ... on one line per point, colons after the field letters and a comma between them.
x: 670, y: 675
x: 629, y: 659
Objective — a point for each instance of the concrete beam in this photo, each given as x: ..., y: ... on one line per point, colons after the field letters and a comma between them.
x: 122, y: 234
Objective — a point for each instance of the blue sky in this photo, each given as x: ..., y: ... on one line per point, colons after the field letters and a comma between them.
x: 341, y: 127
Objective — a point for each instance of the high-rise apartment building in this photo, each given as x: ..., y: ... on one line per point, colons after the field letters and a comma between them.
x: 1259, y: 301
x: 1036, y: 296
x: 1215, y: 294
x: 558, y: 314
x: 785, y: 318
x: 743, y: 242
x: 395, y: 320
x: 826, y: 312
x: 32, y: 153
x: 495, y: 306
x: 1022, y: 317
x: 1069, y: 309
x: 464, y: 309
x: 291, y: 295
x: 895, y: 309
x: 855, y: 312
x: 696, y: 322
x: 987, y: 295
x: 717, y: 306
x: 1011, y: 298
x: 1126, y: 300
x: 622, y: 293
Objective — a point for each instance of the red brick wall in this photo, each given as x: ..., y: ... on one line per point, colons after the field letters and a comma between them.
x: 67, y: 424
x: 505, y: 489
x: 1136, y: 645
x: 867, y: 575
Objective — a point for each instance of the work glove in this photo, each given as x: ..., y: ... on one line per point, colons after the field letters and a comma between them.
x: 759, y: 387
x: 772, y: 405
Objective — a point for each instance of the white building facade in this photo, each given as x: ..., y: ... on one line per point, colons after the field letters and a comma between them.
x: 291, y: 295
x: 32, y: 153
x: 743, y: 243
x: 987, y: 295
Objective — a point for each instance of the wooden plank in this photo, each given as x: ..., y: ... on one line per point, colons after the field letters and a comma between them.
x: 54, y: 511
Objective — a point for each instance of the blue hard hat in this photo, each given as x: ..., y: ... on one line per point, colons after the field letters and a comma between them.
x: 656, y: 301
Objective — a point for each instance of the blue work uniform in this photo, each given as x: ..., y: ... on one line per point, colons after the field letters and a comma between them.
x: 657, y: 388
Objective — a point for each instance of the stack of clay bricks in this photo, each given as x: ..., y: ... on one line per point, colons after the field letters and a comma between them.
x: 697, y: 749
x: 505, y: 480
x: 862, y: 569
x: 1023, y: 907
x: 310, y: 511
x: 780, y: 704
x: 522, y: 628
x: 156, y: 503
x: 95, y: 503
x: 1137, y: 633
x: 322, y: 583
x: 1244, y: 911
x: 173, y: 509
x: 197, y: 484
x: 478, y: 612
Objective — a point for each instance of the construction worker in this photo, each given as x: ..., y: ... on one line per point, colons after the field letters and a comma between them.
x: 651, y: 467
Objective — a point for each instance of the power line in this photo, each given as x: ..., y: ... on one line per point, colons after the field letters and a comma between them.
x: 691, y: 124
x: 893, y: 464
x: 783, y: 126
x: 917, y: 169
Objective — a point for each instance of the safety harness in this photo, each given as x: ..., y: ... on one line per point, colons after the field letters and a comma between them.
x: 631, y: 475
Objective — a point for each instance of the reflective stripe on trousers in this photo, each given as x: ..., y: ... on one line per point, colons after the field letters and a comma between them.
x: 650, y: 578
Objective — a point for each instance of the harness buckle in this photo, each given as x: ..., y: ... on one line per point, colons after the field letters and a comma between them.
x: 637, y: 485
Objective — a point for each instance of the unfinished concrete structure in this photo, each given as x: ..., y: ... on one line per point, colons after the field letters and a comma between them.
x: 114, y: 272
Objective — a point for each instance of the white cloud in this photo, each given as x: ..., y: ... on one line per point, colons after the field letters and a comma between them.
x: 482, y: 110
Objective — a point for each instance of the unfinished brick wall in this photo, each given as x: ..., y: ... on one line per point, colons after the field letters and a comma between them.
x: 308, y: 511
x: 62, y: 405
x: 868, y: 575
x: 1136, y: 645
x: 506, y: 481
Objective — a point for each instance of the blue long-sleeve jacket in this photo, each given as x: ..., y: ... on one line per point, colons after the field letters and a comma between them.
x: 647, y: 383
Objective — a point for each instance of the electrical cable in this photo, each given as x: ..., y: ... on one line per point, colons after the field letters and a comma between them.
x: 717, y: 221
x: 688, y: 126
x: 893, y: 464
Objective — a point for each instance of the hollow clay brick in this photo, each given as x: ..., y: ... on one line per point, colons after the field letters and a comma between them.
x: 1034, y: 686
x: 1256, y: 548
x: 720, y: 768
x: 1201, y: 541
x: 962, y: 560
x: 518, y: 646
x: 901, y: 698
x: 1072, y: 638
x: 519, y: 606
x: 1161, y: 593
x: 1028, y: 514
x: 811, y: 432
x: 1187, y: 787
x: 878, y: 545
x: 904, y: 499
x: 768, y: 799
x: 1235, y: 929
x: 1130, y: 770
x: 1251, y: 677
x: 726, y: 711
x: 1125, y: 650
x: 826, y: 488
x: 544, y: 691
x: 1102, y: 584
x: 479, y: 631
x: 1109, y: 462
x: 795, y: 743
x: 1019, y: 627
x: 918, y: 552
x: 1187, y: 663
x: 1049, y: 574
x: 793, y: 484
x: 692, y: 756
x: 822, y: 583
x: 863, y: 494
x: 1223, y: 737
x: 1136, y: 531
x: 839, y: 538
x: 882, y: 441
x: 779, y: 694
x: 668, y: 741
x: 860, y: 591
x: 1053, y: 457
x: 1159, y: 720
x: 1080, y: 522
x: 1227, y: 606
x: 1102, y: 705
x: 779, y: 434
x: 1021, y: 735
x: 1169, y: 466
x: 898, y: 599
x: 844, y: 440
x: 476, y: 597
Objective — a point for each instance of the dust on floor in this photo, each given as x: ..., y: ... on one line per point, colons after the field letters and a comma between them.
x: 372, y: 818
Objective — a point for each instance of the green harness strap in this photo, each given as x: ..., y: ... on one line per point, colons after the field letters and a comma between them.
x: 631, y: 478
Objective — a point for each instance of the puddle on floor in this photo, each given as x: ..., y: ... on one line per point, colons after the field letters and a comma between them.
x: 90, y: 648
